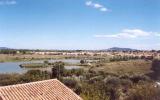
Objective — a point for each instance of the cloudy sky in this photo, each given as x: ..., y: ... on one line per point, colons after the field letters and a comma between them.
x: 80, y: 24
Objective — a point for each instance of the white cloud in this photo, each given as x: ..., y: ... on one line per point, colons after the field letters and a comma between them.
x: 127, y: 33
x: 157, y: 34
x: 104, y: 9
x: 8, y: 2
x: 97, y: 6
x: 89, y: 3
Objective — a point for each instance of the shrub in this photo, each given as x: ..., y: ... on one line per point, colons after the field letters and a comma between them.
x: 93, y: 92
x: 144, y: 92
x: 46, y: 62
x: 35, y: 75
x: 114, y: 81
x: 156, y: 68
x: 82, y: 61
x: 137, y: 78
x: 73, y: 84
x: 58, y: 69
x: 9, y: 79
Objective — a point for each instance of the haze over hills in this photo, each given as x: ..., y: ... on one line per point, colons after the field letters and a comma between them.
x: 4, y: 48
x: 109, y: 49
x: 120, y: 49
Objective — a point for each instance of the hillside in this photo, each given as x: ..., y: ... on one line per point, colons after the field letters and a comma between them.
x: 120, y: 49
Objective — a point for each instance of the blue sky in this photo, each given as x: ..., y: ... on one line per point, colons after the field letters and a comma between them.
x: 80, y: 24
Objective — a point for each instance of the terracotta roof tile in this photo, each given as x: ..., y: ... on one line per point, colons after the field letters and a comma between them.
x: 41, y: 90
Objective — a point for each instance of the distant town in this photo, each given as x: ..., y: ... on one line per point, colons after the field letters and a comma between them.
x: 111, y: 52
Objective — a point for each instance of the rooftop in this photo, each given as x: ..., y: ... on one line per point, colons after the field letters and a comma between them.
x: 41, y: 90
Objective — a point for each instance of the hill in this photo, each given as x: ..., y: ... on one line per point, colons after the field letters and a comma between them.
x: 3, y: 48
x: 120, y: 49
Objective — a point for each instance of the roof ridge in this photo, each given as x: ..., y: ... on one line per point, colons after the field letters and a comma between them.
x: 16, y: 85
x: 61, y: 86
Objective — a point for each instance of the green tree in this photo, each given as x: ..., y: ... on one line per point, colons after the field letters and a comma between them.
x: 156, y: 68
x: 82, y: 61
x: 58, y: 69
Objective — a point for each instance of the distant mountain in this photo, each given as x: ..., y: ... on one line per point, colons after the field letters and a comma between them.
x: 120, y: 49
x: 4, y: 48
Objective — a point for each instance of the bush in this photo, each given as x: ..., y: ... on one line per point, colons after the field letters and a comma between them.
x: 93, y: 92
x: 156, y: 69
x: 144, y: 92
x: 9, y: 79
x: 137, y: 78
x: 73, y: 84
x: 82, y: 61
x: 58, y: 69
x: 114, y: 81
x: 35, y: 75
x: 46, y: 62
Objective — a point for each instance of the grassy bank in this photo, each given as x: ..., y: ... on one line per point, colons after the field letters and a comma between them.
x: 18, y: 57
x: 31, y: 57
x: 123, y: 67
x: 34, y: 65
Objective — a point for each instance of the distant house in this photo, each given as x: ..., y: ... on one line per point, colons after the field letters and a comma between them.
x: 41, y: 90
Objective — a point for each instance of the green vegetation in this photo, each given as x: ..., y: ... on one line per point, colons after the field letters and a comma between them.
x: 102, y: 80
x: 156, y: 69
x: 30, y: 76
x: 47, y: 64
x: 37, y: 65
x: 123, y: 58
x: 8, y: 51
x: 145, y: 91
x: 59, y: 71
x: 82, y: 61
x: 123, y: 67
x: 33, y: 65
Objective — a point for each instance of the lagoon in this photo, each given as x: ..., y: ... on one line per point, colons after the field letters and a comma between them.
x: 13, y: 67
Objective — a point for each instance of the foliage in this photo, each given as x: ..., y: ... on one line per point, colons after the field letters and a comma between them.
x: 95, y: 85
x: 9, y: 79
x: 73, y: 84
x: 8, y: 51
x: 123, y: 58
x: 156, y: 68
x: 144, y: 92
x: 33, y: 65
x: 30, y: 76
x: 82, y: 61
x: 35, y: 75
x: 58, y: 69
x: 71, y: 72
x: 93, y: 92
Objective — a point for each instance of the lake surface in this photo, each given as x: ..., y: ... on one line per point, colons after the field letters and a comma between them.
x: 13, y: 67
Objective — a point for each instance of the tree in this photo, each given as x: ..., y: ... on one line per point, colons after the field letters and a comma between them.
x: 8, y: 51
x: 156, y: 68
x: 82, y: 61
x: 58, y: 70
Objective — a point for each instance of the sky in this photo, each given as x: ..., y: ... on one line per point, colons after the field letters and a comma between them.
x: 80, y: 24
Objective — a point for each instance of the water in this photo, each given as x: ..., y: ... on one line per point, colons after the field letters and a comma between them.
x: 72, y: 67
x: 13, y: 67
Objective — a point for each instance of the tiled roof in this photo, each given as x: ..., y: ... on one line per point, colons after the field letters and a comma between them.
x: 41, y: 90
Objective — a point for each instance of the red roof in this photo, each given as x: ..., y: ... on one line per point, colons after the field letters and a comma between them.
x: 41, y: 90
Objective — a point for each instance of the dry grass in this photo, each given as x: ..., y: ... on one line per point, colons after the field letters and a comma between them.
x: 20, y: 57
x: 122, y: 67
x: 26, y: 57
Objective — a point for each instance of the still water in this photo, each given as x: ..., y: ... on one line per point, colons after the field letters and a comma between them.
x: 13, y: 67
